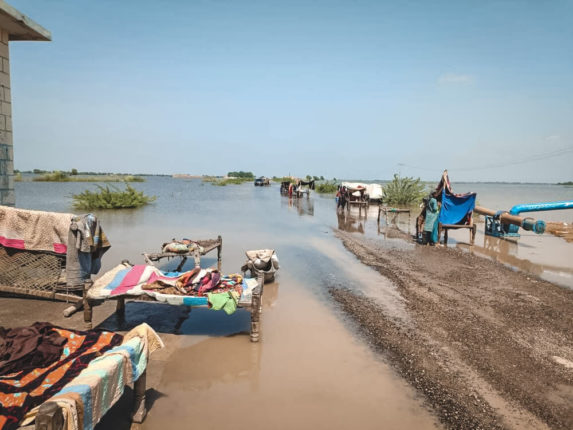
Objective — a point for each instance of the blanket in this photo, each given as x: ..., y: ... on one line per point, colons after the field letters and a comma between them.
x: 125, y: 280
x: 22, y: 391
x: 34, y: 230
x: 86, y: 399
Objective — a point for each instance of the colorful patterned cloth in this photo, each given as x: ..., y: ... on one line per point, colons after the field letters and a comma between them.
x: 130, y: 281
x: 87, y: 398
x: 22, y: 391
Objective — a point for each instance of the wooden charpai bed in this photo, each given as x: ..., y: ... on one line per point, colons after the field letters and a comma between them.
x: 131, y: 282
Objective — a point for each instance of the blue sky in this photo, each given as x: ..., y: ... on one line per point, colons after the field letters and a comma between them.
x: 346, y: 89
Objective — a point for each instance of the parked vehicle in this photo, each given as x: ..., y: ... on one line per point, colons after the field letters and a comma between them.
x: 262, y: 182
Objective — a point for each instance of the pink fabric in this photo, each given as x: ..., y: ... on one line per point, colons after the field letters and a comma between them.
x: 12, y: 243
x: 60, y: 248
x: 130, y: 280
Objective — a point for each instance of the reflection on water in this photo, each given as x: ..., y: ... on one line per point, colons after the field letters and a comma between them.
x: 506, y: 252
x: 348, y: 221
x: 303, y: 205
x: 211, y: 361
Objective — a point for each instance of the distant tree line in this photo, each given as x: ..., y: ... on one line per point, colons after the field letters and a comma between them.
x: 241, y: 174
x: 74, y: 172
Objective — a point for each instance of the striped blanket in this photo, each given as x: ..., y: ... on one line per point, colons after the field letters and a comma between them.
x: 20, y: 392
x: 125, y: 280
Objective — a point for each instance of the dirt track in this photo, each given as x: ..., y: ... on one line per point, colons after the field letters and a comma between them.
x: 488, y: 347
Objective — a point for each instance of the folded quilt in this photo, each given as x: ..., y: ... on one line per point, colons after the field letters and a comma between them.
x: 169, y: 287
x: 34, y: 230
x: 22, y: 391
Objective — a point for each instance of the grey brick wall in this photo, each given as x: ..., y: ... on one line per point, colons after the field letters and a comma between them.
x: 6, y: 144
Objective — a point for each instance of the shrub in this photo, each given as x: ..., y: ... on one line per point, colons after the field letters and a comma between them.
x: 227, y: 181
x: 111, y: 198
x: 282, y: 179
x: 56, y: 176
x: 327, y: 187
x: 403, y: 191
x: 132, y: 178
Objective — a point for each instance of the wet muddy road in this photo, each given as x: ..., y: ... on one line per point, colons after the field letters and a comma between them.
x: 489, y: 347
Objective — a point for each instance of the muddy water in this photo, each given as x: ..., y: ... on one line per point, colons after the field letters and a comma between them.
x: 309, y: 370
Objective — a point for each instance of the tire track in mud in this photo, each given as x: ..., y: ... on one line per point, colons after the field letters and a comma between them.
x: 483, y: 336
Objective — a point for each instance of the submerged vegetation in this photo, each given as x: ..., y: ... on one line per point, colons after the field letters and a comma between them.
x: 234, y: 181
x: 111, y: 198
x: 73, y: 176
x: 403, y: 191
x: 328, y: 187
x: 215, y: 180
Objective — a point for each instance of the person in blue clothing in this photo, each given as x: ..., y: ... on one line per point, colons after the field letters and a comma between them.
x: 431, y: 222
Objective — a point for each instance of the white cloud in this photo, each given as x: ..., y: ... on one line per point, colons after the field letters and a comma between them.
x: 455, y: 78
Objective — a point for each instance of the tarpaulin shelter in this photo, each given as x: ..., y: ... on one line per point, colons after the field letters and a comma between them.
x: 456, y: 209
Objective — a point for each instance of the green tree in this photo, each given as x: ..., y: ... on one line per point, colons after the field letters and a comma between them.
x: 403, y: 191
x: 74, y: 172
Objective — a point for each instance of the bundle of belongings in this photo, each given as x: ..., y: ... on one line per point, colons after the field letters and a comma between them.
x: 443, y: 206
x: 263, y: 261
x: 182, y: 246
x: 79, y: 238
x: 196, y: 287
x: 84, y: 372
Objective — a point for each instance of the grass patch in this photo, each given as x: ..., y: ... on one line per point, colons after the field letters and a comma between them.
x: 233, y: 181
x: 403, y: 191
x: 111, y: 198
x: 59, y: 176
x: 56, y: 176
x: 221, y: 182
x: 327, y: 187
x: 282, y: 179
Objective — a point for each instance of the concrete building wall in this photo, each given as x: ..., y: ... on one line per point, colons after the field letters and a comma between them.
x: 6, y: 143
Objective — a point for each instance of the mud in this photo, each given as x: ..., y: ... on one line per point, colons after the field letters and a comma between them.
x: 487, y: 346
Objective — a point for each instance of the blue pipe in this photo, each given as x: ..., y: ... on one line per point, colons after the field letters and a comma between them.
x: 548, y: 206
x: 537, y: 226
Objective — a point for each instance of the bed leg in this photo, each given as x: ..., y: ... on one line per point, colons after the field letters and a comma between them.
x: 256, y: 309
x: 139, y: 411
x: 120, y: 307
x: 87, y: 307
x: 50, y: 417
x: 255, y: 321
x: 219, y: 252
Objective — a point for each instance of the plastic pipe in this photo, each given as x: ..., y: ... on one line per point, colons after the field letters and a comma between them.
x: 548, y: 206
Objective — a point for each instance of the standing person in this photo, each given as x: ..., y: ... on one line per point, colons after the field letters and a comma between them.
x: 431, y: 222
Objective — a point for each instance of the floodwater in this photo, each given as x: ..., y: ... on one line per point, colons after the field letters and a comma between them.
x: 310, y: 370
